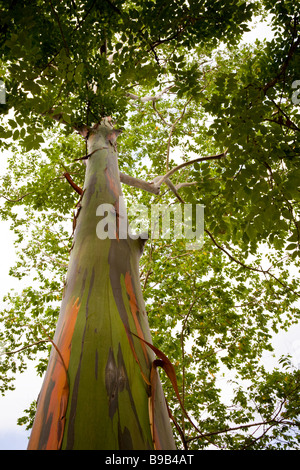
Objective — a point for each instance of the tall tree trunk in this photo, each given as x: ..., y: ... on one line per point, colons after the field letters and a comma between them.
x: 97, y: 392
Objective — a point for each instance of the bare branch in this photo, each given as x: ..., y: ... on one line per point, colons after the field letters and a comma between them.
x: 137, y: 183
x: 145, y: 99
x: 174, y: 190
x: 185, y: 185
x: 57, y: 349
x: 236, y: 428
x: 154, y: 186
x: 149, y: 187
x: 18, y: 199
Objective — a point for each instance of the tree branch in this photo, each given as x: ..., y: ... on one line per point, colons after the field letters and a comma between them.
x: 236, y: 428
x: 145, y: 99
x: 185, y: 185
x: 154, y: 186
x: 174, y: 190
x: 57, y: 350
x: 31, y: 192
x: 19, y: 198
x: 179, y: 31
x: 149, y: 187
x: 251, y: 268
x: 284, y: 66
x: 289, y: 124
x: 183, y: 327
x: 25, y: 347
x: 172, y: 130
x: 140, y: 184
x: 74, y: 185
x: 160, y: 115
x: 182, y: 165
x: 60, y: 27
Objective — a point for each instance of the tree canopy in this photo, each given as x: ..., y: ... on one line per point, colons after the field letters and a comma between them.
x: 180, y: 83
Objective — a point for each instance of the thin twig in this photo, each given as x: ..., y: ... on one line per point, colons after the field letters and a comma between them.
x: 172, y: 130
x: 31, y: 192
x: 251, y: 268
x: 160, y: 115
x: 236, y: 428
x: 25, y: 347
x: 183, y: 353
x: 50, y: 257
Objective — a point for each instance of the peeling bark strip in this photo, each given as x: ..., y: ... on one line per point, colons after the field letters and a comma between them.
x: 135, y: 312
x: 74, y: 185
x: 104, y: 403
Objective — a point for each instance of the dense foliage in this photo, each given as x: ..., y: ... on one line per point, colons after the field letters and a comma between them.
x: 212, y: 311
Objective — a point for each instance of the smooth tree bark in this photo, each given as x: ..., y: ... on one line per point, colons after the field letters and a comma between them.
x: 98, y: 391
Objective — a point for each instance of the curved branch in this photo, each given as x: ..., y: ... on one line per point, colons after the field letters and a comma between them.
x: 145, y: 99
x: 182, y: 165
x: 173, y: 189
x: 25, y: 347
x: 137, y: 183
x: 74, y: 185
x: 160, y: 115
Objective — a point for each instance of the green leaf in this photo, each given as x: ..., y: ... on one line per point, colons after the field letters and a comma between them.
x: 16, y: 134
x: 32, y: 86
x: 292, y: 246
x: 78, y: 73
x: 12, y: 123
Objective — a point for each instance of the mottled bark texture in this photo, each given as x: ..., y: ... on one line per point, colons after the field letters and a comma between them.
x: 97, y: 392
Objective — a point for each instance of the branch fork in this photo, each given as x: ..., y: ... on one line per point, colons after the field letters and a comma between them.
x: 154, y: 186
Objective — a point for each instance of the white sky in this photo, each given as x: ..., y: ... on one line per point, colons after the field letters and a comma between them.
x: 28, y: 384
x: 12, y: 436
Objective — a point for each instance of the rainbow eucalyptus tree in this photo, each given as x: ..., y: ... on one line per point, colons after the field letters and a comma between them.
x: 82, y: 70
x: 96, y: 392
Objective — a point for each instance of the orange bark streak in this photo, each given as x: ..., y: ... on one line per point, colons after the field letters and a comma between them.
x: 112, y: 183
x: 134, y: 309
x: 56, y: 383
